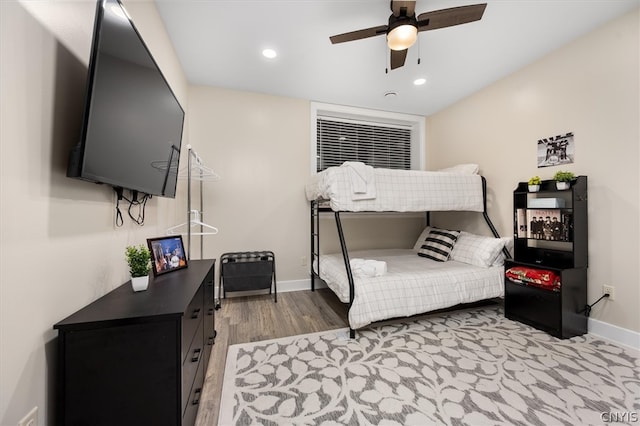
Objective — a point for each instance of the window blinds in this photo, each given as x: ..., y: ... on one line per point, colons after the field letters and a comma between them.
x: 374, y: 144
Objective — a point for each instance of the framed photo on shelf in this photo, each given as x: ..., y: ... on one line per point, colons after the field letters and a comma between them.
x: 549, y: 225
x: 167, y: 254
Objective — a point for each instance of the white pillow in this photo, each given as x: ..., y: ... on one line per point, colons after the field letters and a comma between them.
x: 462, y: 169
x: 500, y: 258
x: 477, y: 250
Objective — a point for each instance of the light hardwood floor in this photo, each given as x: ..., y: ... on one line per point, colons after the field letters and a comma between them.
x: 254, y: 318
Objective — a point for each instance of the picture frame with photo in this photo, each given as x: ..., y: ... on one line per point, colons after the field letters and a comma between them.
x: 167, y: 254
x: 549, y: 225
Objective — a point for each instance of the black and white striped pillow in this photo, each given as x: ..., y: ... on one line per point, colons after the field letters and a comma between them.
x: 438, y: 244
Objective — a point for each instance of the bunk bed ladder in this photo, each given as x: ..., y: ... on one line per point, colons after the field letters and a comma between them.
x: 347, y: 265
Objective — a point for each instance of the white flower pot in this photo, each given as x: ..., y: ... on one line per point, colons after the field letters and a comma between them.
x: 534, y: 188
x: 140, y: 283
x: 562, y: 185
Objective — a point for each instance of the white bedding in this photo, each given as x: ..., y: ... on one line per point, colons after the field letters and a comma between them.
x: 412, y: 285
x: 399, y: 190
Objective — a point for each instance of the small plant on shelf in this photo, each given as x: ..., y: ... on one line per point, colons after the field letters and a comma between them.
x: 563, y: 178
x: 534, y: 183
x: 535, y: 180
x: 139, y: 260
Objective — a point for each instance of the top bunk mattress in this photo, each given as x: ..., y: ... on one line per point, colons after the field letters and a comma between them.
x: 370, y: 189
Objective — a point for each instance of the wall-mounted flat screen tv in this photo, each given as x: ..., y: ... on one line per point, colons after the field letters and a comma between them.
x: 132, y: 125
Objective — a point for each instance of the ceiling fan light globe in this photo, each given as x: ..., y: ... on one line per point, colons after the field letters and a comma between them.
x: 402, y: 37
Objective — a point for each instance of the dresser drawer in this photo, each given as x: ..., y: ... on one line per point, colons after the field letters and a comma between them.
x: 195, y: 356
x: 193, y: 402
x: 191, y: 320
x: 533, y: 306
x: 209, y: 305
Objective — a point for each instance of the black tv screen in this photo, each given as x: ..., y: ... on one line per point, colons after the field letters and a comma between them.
x: 132, y: 127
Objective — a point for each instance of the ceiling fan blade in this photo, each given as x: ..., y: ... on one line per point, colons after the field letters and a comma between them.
x: 398, y: 6
x: 360, y: 34
x: 398, y: 57
x: 449, y: 17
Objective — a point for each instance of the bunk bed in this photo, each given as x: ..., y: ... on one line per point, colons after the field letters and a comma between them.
x: 384, y: 284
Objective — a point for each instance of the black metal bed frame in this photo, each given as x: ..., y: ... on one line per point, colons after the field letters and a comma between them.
x: 315, y: 242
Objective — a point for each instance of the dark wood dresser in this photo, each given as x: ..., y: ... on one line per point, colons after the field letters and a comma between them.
x: 138, y: 358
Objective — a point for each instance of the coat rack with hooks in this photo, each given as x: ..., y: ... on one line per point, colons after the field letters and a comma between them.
x: 195, y: 170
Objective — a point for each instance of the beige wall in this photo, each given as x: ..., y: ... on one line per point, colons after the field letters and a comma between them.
x: 59, y: 247
x: 589, y: 87
x: 259, y: 145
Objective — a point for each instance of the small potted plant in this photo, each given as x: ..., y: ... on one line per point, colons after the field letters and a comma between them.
x: 534, y: 184
x: 563, y: 179
x: 139, y: 260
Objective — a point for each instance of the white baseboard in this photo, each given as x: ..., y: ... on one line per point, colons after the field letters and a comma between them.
x: 297, y: 285
x: 283, y: 287
x: 614, y: 333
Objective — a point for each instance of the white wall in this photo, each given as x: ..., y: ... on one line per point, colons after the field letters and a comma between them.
x: 59, y: 249
x: 589, y: 87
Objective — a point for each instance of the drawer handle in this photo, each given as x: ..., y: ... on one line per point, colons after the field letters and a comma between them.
x: 195, y: 314
x: 210, y: 311
x: 196, y: 355
x: 196, y: 397
x: 210, y: 341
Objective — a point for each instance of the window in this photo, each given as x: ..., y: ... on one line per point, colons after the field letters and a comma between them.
x: 373, y: 144
x: 377, y: 138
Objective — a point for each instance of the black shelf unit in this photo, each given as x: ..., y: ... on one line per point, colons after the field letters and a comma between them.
x: 561, y: 311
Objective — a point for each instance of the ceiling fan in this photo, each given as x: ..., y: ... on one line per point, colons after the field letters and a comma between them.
x: 402, y: 30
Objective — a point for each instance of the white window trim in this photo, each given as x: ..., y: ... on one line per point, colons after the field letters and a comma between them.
x: 415, y: 122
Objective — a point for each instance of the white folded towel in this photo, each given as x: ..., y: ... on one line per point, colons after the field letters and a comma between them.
x: 368, y: 267
x: 362, y: 180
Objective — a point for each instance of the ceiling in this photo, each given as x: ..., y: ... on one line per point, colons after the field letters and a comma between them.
x: 219, y: 43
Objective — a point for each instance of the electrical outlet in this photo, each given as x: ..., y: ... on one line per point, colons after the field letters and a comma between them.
x: 31, y: 419
x: 610, y: 290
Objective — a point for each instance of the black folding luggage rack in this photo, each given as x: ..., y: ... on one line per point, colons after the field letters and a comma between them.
x: 247, y: 271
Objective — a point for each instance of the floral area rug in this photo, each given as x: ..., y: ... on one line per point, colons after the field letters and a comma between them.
x: 470, y: 367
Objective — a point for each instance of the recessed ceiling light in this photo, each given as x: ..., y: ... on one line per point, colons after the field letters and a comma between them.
x: 269, y: 53
x: 419, y: 81
x: 390, y: 95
